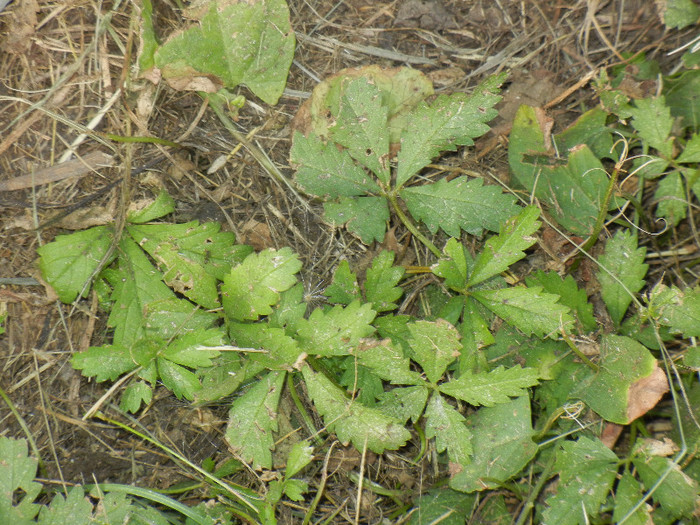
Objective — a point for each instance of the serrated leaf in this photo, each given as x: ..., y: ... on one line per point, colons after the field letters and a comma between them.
x: 403, y: 403
x: 628, y: 384
x: 691, y: 152
x: 160, y: 207
x: 182, y: 382
x: 259, y: 56
x: 475, y: 336
x: 627, y: 494
x: 435, y: 345
x: 344, y: 288
x: 670, y: 194
x: 587, y: 470
x: 337, y: 331
x: 172, y: 317
x: 459, y: 204
x: 74, y: 509
x: 387, y: 361
x: 301, y: 455
x: 491, y: 388
x: 651, y: 117
x: 681, y: 312
x: 381, y: 280
x: 447, y: 426
x: 502, y: 444
x: 361, y: 126
x: 70, y: 260
x: 530, y: 310
x: 191, y: 349
x: 455, y: 266
x: 134, y: 395
x: 253, y: 287
x: 569, y: 295
x: 104, y: 362
x: 18, y: 490
x: 450, y: 121
x: 622, y: 273
x: 270, y: 346
x: 351, y: 421
x: 444, y: 506
x: 502, y: 250
x: 677, y: 493
x: 290, y: 310
x: 253, y: 419
x: 193, y: 257
x: 680, y: 13
x: 363, y: 216
x: 326, y: 171
x: 295, y: 489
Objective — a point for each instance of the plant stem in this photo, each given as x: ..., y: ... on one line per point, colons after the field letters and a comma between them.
x: 530, y: 501
x: 412, y: 227
x: 578, y: 352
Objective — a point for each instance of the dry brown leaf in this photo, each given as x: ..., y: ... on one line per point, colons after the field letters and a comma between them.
x: 645, y: 393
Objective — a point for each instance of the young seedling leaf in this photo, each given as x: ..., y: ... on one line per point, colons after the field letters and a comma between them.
x: 387, y: 361
x: 581, y: 491
x: 454, y: 267
x: 361, y: 126
x: 351, y: 421
x: 446, y: 425
x: 337, y: 331
x: 207, y: 57
x: 530, y: 310
x: 459, y: 204
x: 670, y: 194
x: 502, y: 444
x: 450, y: 121
x: 381, y: 281
x: 677, y: 494
x: 682, y: 312
x: 651, y: 117
x: 435, y: 345
x: 134, y: 395
x: 301, y: 455
x: 491, y: 388
x: 344, y: 288
x: 326, y: 171
x: 363, y: 216
x: 70, y: 260
x: 622, y: 273
x: 160, y: 207
x: 193, y: 257
x: 569, y: 295
x: 628, y: 384
x: 253, y: 419
x: 253, y: 287
x: 507, y: 247
x: 403, y: 403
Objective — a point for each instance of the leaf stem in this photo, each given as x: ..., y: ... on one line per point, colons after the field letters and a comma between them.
x: 412, y: 227
x: 530, y: 501
x: 578, y: 352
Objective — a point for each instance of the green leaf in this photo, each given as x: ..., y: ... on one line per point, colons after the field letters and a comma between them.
x: 18, y: 490
x: 387, y: 361
x: 171, y: 317
x: 680, y: 13
x: 70, y: 260
x: 475, y: 336
x: 253, y: 419
x: 435, y: 345
x: 290, y: 310
x: 680, y: 92
x: 530, y: 310
x: 351, y: 421
x: 507, y: 247
x: 454, y: 267
x: 182, y: 382
x: 344, y: 288
x: 301, y: 455
x: 160, y: 207
x: 628, y: 384
x: 622, y: 273
x: 670, y: 194
x: 569, y: 295
x: 627, y: 494
x: 450, y: 121
x: 491, y: 388
x: 502, y: 444
x: 380, y: 284
x: 254, y: 286
x: 587, y: 470
x: 677, y: 492
x: 259, y: 56
x: 337, y: 331
x: 326, y: 171
x: 682, y: 312
x: 104, y: 362
x: 295, y: 489
x: 447, y: 426
x: 193, y: 257
x: 361, y: 126
x: 75, y: 509
x: 271, y: 347
x: 459, y: 203
x: 444, y: 506
x: 651, y: 117
x: 363, y: 216
x: 191, y: 349
x: 403, y: 403
x: 691, y: 152
x: 135, y: 394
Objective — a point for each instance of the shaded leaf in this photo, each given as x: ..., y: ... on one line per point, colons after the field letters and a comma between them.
x: 435, y: 345
x: 569, y: 295
x: 344, y: 288
x: 363, y: 216
x: 381, y: 280
x: 447, y: 426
